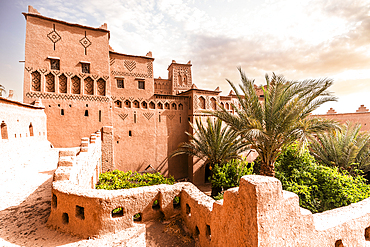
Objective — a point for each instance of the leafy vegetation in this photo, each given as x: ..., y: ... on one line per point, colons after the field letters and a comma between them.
x: 319, y: 187
x: 115, y: 180
x: 281, y: 118
x: 213, y: 143
x: 346, y: 148
x: 228, y: 175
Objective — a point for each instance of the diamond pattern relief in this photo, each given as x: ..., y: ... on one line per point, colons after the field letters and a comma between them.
x: 54, y: 36
x: 85, y: 42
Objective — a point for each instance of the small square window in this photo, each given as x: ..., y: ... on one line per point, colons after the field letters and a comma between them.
x: 120, y: 83
x: 85, y: 68
x: 54, y: 64
x: 141, y: 84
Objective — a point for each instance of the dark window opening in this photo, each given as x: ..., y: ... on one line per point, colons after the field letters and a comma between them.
x: 87, y: 105
x: 159, y: 117
x: 80, y: 212
x: 134, y: 117
x: 208, y: 232
x: 86, y: 113
x: 120, y: 83
x: 197, y: 232
x: 180, y: 119
x: 176, y: 202
x: 85, y: 68
x: 137, y: 217
x: 58, y: 105
x: 187, y: 210
x: 367, y: 234
x: 54, y: 201
x: 30, y: 127
x: 117, y: 212
x: 54, y: 64
x: 339, y: 243
x: 141, y: 84
x: 129, y: 133
x: 65, y: 218
x: 62, y: 112
x: 99, y: 115
x: 155, y: 205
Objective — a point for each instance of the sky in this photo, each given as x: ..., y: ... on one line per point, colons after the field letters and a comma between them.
x: 298, y: 39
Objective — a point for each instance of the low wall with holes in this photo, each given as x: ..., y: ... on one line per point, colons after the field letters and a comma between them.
x: 258, y: 213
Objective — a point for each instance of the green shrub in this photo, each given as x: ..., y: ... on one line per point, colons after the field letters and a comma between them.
x: 228, y: 175
x: 319, y: 187
x: 115, y: 180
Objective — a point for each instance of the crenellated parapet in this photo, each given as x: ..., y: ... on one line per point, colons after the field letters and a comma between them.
x: 258, y: 213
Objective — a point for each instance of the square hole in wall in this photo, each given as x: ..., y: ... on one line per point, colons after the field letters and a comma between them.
x: 176, y: 202
x: 65, y: 218
x: 367, y: 234
x: 117, y: 212
x: 187, y: 210
x: 137, y: 217
x: 54, y: 201
x: 208, y: 232
x: 80, y: 212
x: 155, y: 205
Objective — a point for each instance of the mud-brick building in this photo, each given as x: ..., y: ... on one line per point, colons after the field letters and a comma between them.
x: 85, y: 85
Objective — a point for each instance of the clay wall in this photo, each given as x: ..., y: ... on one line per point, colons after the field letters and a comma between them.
x: 23, y: 131
x: 180, y: 77
x: 75, y: 99
x: 162, y: 86
x: 258, y: 213
x: 146, y: 135
x: 132, y: 70
x: 362, y: 118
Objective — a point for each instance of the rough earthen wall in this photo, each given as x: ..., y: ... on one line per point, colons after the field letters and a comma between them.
x: 258, y: 213
x: 23, y: 131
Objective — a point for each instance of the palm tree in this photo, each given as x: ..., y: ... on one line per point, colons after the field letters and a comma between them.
x: 343, y: 148
x: 281, y: 118
x: 2, y: 90
x: 212, y: 144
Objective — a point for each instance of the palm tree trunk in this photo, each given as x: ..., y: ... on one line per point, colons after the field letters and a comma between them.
x: 267, y: 169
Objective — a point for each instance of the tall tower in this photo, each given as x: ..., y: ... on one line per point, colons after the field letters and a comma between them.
x: 180, y: 77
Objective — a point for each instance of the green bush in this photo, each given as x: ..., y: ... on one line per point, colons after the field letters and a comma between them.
x: 319, y: 187
x: 115, y: 180
x: 228, y: 175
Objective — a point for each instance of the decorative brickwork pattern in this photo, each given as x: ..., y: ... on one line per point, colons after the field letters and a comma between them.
x: 149, y: 74
x: 148, y: 115
x: 170, y: 116
x: 89, y: 86
x: 111, y: 61
x: 28, y: 69
x: 36, y: 81
x: 123, y: 116
x: 76, y: 85
x: 101, y: 87
x: 50, y: 83
x: 149, y: 65
x: 62, y: 84
x: 37, y: 95
x: 54, y: 36
x: 130, y: 65
x: 85, y: 42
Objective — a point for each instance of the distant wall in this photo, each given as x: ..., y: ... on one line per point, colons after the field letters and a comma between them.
x: 23, y: 132
x: 361, y: 116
